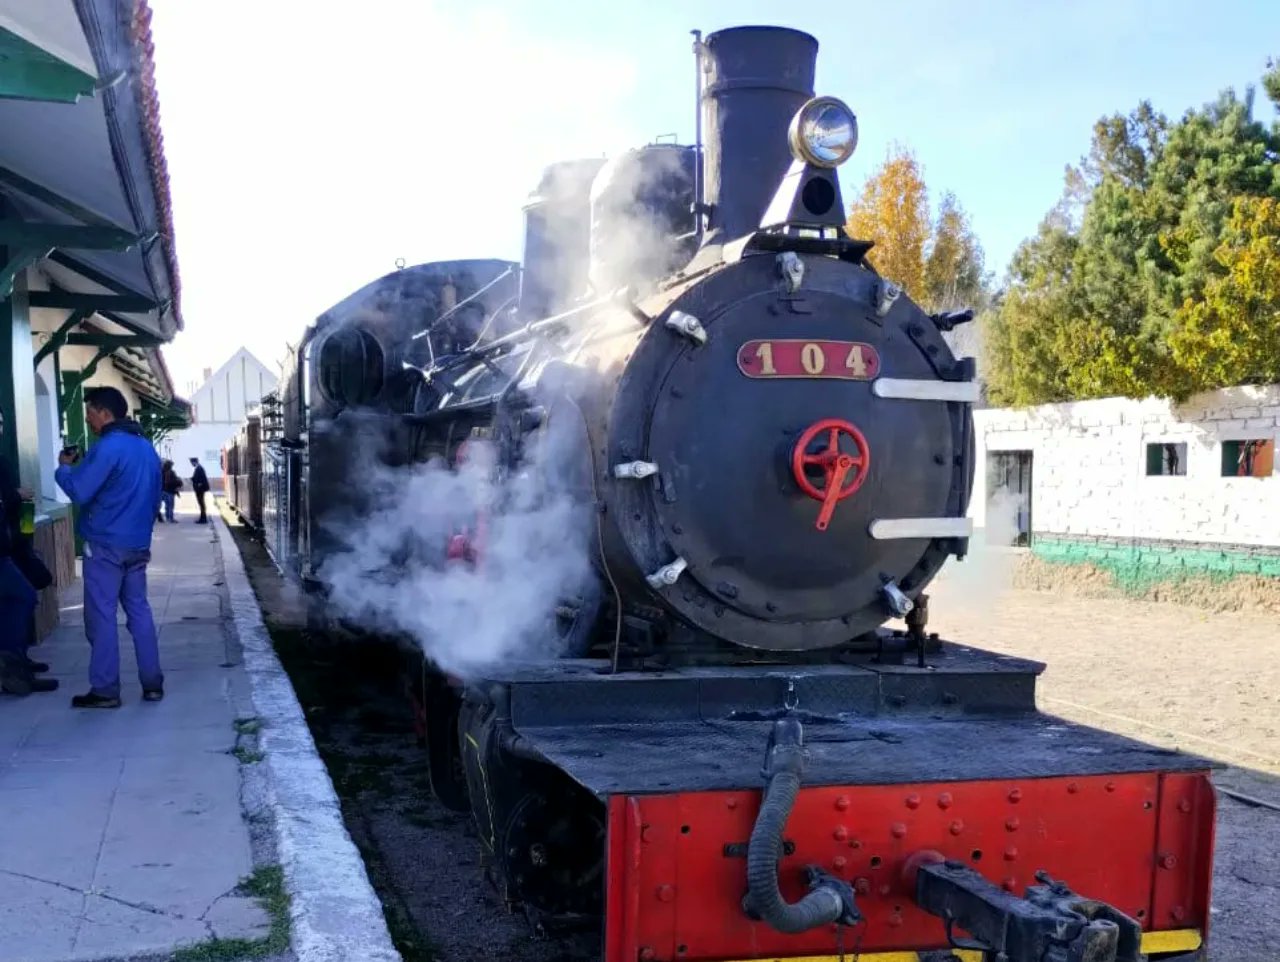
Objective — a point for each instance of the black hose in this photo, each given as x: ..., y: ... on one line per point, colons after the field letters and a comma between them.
x: 829, y: 899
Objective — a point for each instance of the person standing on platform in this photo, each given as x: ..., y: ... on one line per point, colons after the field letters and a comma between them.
x: 18, y: 596
x: 116, y: 485
x: 200, y: 485
x: 170, y: 485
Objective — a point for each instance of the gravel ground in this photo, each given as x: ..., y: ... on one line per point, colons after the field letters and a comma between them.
x: 423, y: 860
x: 1180, y: 676
x: 1206, y: 682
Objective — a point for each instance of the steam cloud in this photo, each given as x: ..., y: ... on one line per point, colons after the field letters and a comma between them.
x: 987, y: 571
x: 393, y: 575
x: 390, y: 572
x: 639, y: 208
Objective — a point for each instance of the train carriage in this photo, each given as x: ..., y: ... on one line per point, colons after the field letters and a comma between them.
x: 242, y: 472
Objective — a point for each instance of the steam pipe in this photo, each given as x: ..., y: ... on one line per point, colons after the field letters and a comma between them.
x: 463, y: 303
x: 829, y: 899
x: 697, y: 136
x: 521, y: 747
x: 519, y: 336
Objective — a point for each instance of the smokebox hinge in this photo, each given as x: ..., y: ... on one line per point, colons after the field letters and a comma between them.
x: 635, y: 469
x: 688, y: 325
x: 791, y: 267
x: 886, y: 293
x: 667, y: 575
x: 898, y: 602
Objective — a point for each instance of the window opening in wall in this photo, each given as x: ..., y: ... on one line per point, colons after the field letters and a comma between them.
x: 1164, y: 458
x: 1254, y: 458
x: 1008, y: 516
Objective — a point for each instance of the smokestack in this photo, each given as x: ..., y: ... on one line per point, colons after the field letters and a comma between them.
x: 756, y: 78
x: 208, y: 373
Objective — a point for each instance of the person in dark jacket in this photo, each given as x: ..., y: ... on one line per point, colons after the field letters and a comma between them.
x: 170, y: 485
x: 117, y: 488
x: 200, y: 485
x: 17, y: 596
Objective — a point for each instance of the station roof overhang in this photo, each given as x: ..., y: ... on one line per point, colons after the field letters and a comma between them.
x: 83, y: 177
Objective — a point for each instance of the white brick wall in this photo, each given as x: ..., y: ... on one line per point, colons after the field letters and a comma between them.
x: 1089, y: 466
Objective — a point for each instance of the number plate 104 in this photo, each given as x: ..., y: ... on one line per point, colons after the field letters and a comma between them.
x: 847, y: 360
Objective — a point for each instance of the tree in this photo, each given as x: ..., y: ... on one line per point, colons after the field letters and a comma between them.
x: 1125, y: 289
x: 893, y: 211
x: 939, y: 262
x: 1231, y: 334
x: 953, y: 266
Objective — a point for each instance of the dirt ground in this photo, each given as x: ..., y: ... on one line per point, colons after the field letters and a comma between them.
x: 1205, y: 682
x: 1184, y: 677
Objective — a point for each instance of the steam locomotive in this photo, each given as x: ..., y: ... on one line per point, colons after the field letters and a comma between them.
x: 728, y: 753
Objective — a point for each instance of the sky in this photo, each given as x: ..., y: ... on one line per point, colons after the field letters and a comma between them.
x: 311, y: 144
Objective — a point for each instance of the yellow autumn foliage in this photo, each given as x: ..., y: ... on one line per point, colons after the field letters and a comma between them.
x: 938, y: 262
x: 893, y: 211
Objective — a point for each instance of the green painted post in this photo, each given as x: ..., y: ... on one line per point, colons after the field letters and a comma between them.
x: 71, y: 402
x: 20, y: 444
x: 73, y: 407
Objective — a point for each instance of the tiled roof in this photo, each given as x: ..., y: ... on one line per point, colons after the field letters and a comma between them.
x: 149, y: 107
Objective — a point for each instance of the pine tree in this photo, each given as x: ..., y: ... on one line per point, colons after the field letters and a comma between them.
x: 1150, y: 276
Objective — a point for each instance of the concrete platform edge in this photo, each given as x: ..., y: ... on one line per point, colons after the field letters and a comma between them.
x: 336, y: 916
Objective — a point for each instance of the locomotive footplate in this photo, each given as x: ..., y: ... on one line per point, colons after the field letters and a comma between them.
x: 969, y: 715
x: 904, y: 767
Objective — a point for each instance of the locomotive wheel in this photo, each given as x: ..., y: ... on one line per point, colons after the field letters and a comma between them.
x: 552, y: 854
x: 444, y: 750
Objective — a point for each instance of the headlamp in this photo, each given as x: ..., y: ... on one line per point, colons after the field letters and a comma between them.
x: 824, y: 132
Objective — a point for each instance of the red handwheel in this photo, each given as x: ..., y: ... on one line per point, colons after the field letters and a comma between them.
x: 844, y: 471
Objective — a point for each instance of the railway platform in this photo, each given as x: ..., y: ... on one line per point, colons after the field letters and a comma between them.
x: 172, y: 827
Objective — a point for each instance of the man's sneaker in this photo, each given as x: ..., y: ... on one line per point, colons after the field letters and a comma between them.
x: 94, y: 700
x: 44, y: 684
x: 153, y: 694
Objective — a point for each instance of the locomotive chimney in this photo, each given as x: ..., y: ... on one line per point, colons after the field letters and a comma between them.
x: 756, y: 78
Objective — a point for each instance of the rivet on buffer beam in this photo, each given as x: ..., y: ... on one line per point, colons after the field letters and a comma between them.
x: 907, y: 389
x: 688, y: 325
x: 668, y: 574
x: 890, y: 529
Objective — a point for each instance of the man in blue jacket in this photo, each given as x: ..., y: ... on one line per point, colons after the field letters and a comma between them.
x: 117, y: 488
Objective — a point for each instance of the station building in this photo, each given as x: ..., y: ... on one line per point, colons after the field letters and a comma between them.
x: 89, y: 288
x: 219, y: 406
x: 1148, y: 490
